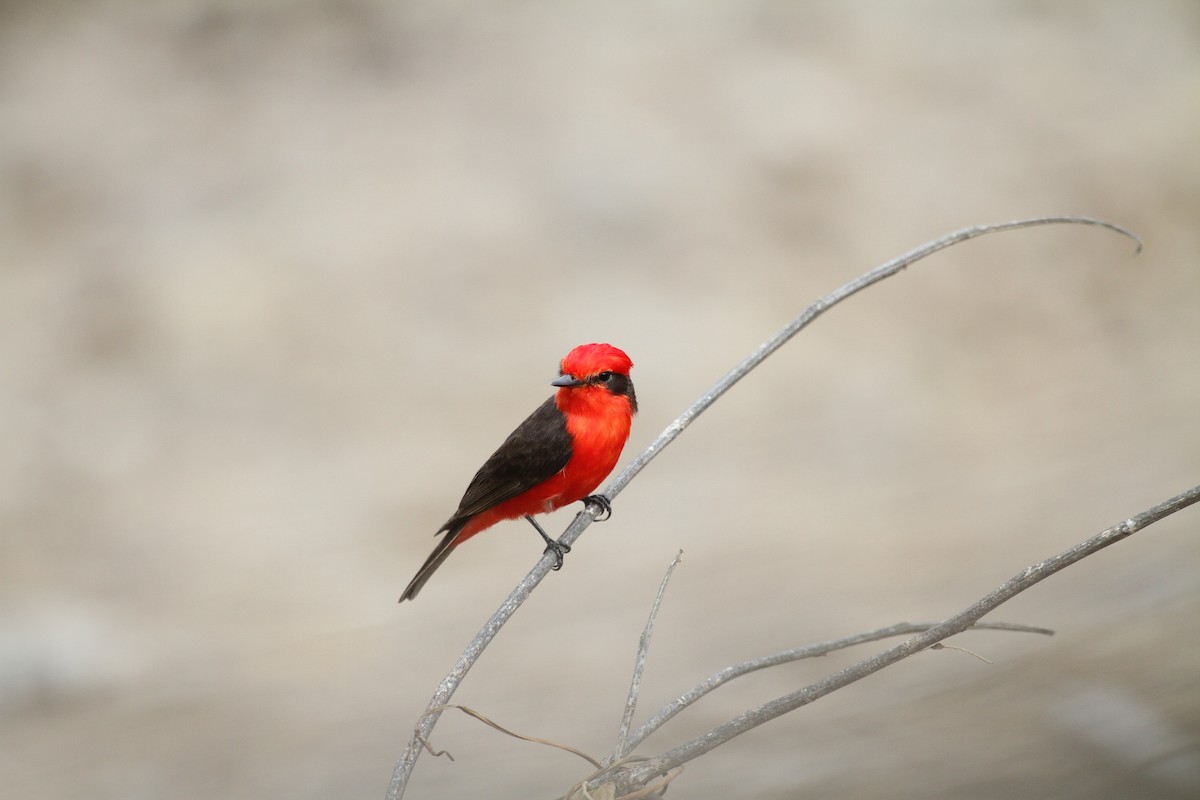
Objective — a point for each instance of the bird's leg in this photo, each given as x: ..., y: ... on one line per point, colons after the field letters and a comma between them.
x: 558, y: 548
x: 604, y: 503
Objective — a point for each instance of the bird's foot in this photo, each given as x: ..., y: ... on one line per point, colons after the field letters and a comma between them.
x: 604, y: 503
x: 552, y: 546
x: 559, y: 549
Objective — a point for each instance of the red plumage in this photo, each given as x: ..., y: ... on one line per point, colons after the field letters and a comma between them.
x: 557, y: 456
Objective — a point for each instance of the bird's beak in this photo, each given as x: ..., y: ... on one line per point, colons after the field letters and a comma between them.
x: 567, y: 382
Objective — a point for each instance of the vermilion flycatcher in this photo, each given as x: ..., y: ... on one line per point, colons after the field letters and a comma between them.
x: 556, y: 457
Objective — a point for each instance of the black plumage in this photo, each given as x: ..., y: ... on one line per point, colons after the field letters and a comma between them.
x: 538, y: 448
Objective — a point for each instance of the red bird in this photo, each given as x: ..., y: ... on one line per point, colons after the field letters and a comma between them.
x: 554, y: 458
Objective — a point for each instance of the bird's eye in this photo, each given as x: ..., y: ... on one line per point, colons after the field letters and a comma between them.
x: 604, y: 377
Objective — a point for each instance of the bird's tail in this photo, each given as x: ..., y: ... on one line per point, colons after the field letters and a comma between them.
x: 439, y: 554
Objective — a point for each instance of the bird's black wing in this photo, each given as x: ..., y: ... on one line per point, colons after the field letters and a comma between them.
x: 534, y: 452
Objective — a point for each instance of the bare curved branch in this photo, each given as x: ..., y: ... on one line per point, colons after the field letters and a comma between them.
x: 452, y: 680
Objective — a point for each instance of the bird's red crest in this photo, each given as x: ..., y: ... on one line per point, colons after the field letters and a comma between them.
x: 588, y: 359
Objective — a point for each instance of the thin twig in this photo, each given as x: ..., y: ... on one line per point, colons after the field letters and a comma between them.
x: 495, y: 725
x: 649, y: 770
x: 450, y: 683
x: 972, y: 653
x: 639, y: 665
x: 728, y: 674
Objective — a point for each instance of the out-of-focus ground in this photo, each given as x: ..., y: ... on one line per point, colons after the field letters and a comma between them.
x: 275, y: 277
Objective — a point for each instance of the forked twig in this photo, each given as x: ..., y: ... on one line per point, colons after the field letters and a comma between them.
x: 649, y: 770
x: 724, y: 676
x: 450, y: 683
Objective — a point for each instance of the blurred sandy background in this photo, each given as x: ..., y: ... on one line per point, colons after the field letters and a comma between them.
x: 275, y: 277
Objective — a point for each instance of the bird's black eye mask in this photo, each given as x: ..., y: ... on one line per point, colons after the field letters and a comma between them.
x: 615, y: 383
